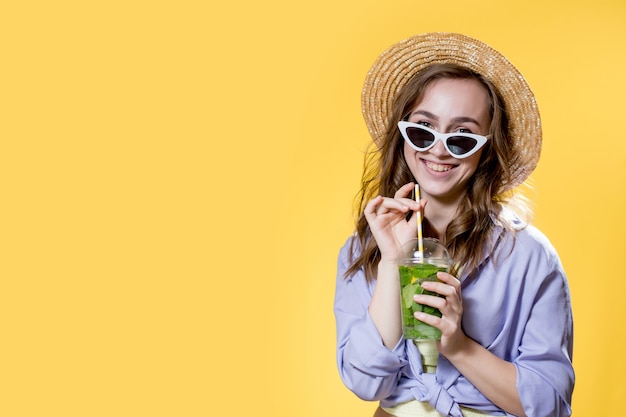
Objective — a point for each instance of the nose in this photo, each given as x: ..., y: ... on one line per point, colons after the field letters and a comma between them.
x: 439, y: 150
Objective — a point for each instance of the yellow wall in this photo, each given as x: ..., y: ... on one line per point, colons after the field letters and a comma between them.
x: 177, y: 179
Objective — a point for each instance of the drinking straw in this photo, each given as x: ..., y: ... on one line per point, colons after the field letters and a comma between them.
x: 420, y: 240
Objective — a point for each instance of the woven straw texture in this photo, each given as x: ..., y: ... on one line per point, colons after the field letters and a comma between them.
x: 401, y: 61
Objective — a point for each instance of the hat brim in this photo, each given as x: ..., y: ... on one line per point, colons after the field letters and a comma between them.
x: 399, y: 63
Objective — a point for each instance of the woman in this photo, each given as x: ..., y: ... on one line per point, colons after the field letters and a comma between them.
x: 452, y: 114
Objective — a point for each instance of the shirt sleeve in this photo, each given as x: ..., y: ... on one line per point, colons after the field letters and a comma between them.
x: 545, y: 375
x: 366, y: 366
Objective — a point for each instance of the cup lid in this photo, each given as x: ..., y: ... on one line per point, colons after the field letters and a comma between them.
x: 431, y: 249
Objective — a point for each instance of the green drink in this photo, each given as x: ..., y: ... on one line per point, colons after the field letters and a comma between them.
x: 411, y: 278
x: 414, y: 268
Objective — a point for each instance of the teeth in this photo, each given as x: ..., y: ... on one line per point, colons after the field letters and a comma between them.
x: 437, y: 167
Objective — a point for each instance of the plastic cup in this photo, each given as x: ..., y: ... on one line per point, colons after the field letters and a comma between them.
x: 414, y: 270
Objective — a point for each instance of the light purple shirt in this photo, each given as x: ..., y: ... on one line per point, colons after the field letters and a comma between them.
x: 518, y: 306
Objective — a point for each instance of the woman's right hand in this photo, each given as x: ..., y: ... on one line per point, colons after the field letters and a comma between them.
x: 388, y: 223
x: 387, y: 220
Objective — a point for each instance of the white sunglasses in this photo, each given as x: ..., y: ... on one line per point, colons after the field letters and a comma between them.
x: 459, y: 145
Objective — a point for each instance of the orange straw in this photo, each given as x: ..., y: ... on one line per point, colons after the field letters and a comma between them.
x: 420, y: 240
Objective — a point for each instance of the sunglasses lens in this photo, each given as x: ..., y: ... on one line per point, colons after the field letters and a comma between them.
x: 460, y: 145
x: 419, y: 137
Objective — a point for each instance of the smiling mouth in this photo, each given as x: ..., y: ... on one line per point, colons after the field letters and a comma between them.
x: 438, y: 167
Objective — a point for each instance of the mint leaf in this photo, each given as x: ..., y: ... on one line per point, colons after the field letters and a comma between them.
x: 408, y: 291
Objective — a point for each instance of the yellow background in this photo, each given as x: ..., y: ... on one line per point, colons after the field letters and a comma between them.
x: 177, y: 178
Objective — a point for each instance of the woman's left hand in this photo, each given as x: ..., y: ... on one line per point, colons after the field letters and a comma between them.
x: 451, y: 307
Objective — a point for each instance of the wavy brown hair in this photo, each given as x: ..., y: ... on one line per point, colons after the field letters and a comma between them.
x: 385, y: 171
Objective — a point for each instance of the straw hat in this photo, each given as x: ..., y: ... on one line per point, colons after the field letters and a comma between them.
x: 401, y: 61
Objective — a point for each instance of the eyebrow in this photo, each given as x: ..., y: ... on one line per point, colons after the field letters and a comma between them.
x: 461, y: 119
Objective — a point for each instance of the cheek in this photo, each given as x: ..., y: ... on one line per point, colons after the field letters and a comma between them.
x: 411, y: 159
x: 408, y: 152
x: 471, y: 163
